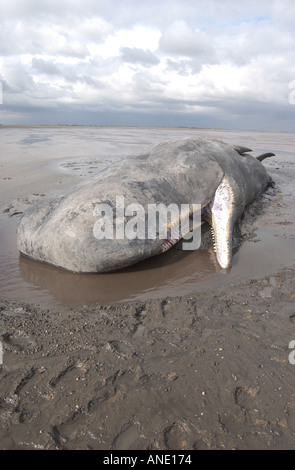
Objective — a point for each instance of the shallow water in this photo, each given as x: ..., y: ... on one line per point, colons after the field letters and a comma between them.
x: 37, y: 161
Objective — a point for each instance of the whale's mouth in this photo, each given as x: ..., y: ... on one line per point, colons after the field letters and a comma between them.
x: 195, y: 218
x: 219, y: 213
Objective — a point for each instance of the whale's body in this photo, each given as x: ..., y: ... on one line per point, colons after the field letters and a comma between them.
x: 221, y: 178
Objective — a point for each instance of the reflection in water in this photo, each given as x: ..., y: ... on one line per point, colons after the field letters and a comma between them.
x: 168, y: 274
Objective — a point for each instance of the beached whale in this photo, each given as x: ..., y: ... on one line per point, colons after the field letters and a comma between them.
x: 208, y: 176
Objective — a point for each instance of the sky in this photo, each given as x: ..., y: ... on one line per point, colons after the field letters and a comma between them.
x: 192, y: 63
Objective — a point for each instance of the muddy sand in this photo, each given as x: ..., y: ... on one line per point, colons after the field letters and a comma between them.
x: 172, y: 354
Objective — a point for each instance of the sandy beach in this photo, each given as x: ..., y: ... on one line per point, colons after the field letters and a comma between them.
x: 170, y: 354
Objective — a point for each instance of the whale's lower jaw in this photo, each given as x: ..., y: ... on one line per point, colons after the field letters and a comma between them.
x: 222, y: 220
x: 220, y: 214
x: 225, y: 210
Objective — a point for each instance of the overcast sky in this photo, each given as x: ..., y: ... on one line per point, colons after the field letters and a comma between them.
x: 212, y: 63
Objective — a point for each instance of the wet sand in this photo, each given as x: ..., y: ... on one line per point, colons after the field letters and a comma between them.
x: 169, y: 354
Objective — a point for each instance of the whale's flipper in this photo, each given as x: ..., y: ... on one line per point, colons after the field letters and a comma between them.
x: 265, y: 155
x: 241, y: 150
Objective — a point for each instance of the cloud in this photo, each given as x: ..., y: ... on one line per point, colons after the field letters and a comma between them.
x: 91, y: 30
x: 183, y: 66
x: 133, y: 55
x: 18, y: 38
x: 134, y: 62
x: 180, y: 39
x: 45, y: 67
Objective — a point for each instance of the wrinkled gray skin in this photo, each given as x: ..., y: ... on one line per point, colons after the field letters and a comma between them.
x: 202, y: 171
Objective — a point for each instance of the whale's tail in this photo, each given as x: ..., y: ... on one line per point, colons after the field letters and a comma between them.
x: 241, y: 150
x: 244, y: 150
x: 265, y: 155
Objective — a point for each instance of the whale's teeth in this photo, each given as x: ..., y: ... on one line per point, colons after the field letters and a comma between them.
x: 167, y: 244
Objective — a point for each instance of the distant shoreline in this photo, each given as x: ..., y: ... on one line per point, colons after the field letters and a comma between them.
x: 107, y: 126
